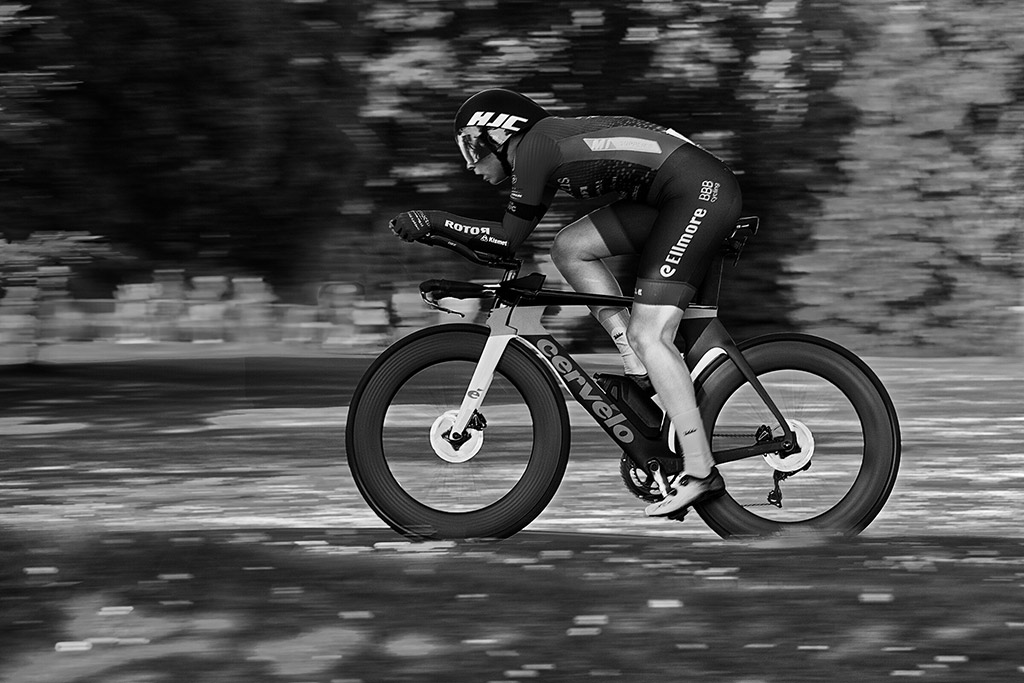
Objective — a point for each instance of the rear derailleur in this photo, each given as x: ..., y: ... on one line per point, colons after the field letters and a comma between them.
x: 775, y: 495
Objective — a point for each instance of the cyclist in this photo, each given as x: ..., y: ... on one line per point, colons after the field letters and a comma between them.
x: 676, y: 204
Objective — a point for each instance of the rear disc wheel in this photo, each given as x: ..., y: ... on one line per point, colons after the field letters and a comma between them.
x: 844, y: 422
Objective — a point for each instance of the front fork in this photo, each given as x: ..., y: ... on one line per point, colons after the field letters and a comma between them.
x: 499, y: 338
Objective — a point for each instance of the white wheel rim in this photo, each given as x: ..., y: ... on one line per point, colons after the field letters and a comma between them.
x: 444, y: 449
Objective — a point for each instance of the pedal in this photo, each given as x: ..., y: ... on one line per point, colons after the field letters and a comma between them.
x: 679, y: 515
x: 666, y: 489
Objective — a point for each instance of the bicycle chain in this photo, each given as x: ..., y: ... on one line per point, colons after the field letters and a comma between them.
x: 646, y: 490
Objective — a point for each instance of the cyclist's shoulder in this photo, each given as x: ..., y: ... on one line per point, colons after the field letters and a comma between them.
x: 636, y: 126
x: 559, y: 128
x: 541, y: 142
x: 549, y: 127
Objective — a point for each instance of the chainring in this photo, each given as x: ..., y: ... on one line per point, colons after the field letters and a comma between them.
x: 640, y: 483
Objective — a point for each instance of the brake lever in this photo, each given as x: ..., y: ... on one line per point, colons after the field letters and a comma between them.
x: 436, y: 306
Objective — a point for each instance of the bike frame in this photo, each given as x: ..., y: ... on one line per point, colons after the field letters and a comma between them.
x: 515, y: 314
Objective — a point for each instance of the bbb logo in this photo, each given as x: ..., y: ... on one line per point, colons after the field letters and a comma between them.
x: 709, y: 191
x: 490, y: 119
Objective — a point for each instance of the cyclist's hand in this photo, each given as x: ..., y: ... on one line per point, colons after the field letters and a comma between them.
x: 411, y: 225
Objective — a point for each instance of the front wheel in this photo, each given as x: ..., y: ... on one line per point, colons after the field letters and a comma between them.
x: 845, y: 424
x: 423, y: 484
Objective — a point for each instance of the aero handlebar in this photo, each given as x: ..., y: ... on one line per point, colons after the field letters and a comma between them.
x: 455, y: 289
x: 480, y: 258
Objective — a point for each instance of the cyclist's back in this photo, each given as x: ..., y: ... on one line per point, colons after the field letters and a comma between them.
x: 591, y: 156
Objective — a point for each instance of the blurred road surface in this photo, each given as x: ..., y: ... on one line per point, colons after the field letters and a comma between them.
x: 193, y: 518
x: 237, y: 441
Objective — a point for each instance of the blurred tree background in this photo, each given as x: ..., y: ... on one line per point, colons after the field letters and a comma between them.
x: 882, y: 143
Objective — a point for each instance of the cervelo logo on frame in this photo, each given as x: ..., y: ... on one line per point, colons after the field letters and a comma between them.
x: 490, y: 119
x: 608, y: 414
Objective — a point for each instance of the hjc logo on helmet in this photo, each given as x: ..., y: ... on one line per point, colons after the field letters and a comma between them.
x: 506, y: 121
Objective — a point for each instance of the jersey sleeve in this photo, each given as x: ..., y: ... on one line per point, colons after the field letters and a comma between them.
x: 531, y: 194
x: 489, y: 237
x: 521, y: 219
x: 529, y: 200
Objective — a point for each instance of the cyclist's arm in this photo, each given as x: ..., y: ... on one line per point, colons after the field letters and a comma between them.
x: 491, y: 237
x: 522, y: 214
x: 536, y: 158
x: 529, y: 200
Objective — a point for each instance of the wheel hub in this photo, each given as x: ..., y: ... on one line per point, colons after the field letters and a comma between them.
x: 448, y: 450
x: 796, y: 461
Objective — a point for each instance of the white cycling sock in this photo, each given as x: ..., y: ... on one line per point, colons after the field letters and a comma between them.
x: 616, y: 325
x: 691, y: 436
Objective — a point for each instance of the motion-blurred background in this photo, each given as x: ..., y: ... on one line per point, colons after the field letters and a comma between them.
x: 185, y: 171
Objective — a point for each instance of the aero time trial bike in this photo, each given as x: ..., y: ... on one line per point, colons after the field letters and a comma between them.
x: 462, y: 431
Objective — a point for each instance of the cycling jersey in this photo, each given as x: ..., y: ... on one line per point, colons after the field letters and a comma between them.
x: 694, y: 196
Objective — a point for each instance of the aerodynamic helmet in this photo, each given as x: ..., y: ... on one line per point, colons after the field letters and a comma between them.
x: 487, y: 120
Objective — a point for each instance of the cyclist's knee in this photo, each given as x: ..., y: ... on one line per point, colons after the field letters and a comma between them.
x: 646, y: 334
x: 561, y: 250
x: 579, y: 241
x: 639, y: 339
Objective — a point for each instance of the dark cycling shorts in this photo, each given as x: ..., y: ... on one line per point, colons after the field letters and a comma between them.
x: 694, y: 205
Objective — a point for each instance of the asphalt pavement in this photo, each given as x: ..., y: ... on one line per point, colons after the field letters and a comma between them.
x: 170, y: 516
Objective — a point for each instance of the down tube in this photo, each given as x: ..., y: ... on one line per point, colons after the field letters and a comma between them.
x: 585, y: 390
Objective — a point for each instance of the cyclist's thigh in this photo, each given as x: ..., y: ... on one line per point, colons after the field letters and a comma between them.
x: 698, y: 210
x: 624, y: 226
